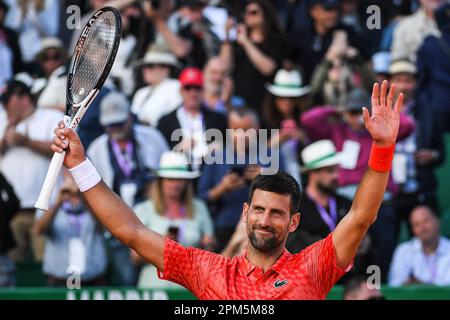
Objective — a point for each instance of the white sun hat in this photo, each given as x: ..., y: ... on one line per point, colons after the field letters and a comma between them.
x: 174, y: 165
x: 158, y: 54
x: 320, y: 154
x: 288, y: 84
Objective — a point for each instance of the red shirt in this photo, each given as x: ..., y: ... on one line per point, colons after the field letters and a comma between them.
x: 309, y: 274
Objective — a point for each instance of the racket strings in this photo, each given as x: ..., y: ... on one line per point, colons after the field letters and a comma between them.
x: 94, y: 56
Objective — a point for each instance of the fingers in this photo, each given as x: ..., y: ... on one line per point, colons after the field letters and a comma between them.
x: 399, y: 103
x: 366, y: 115
x: 383, y: 93
x: 391, y: 95
x: 375, y: 96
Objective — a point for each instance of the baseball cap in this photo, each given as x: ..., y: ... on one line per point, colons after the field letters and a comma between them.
x: 357, y: 99
x: 327, y: 4
x: 191, y: 77
x: 114, y: 108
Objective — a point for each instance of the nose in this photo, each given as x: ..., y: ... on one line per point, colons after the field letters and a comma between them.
x: 265, y: 220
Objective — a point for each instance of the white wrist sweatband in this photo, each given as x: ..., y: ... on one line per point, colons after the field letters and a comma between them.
x: 85, y: 175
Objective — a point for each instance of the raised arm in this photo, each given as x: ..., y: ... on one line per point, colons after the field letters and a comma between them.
x: 109, y: 209
x: 383, y: 126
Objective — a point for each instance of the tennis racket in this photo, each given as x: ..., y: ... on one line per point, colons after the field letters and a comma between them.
x: 91, y: 62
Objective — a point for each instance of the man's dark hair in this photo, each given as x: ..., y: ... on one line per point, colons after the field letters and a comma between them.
x: 15, y: 87
x: 354, y: 283
x: 280, y: 183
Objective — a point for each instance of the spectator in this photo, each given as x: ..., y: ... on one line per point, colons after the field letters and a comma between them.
x: 25, y: 139
x: 410, y: 32
x: 219, y: 87
x: 190, y: 121
x: 238, y: 242
x: 188, y: 32
x: 33, y: 21
x: 434, y: 73
x: 353, y: 141
x: 342, y: 70
x: 380, y: 64
x: 357, y: 288
x: 311, y: 41
x: 10, y: 54
x: 257, y: 53
x: 225, y: 184
x: 425, y: 259
x: 281, y: 108
x: 172, y: 210
x: 74, y: 240
x: 52, y: 59
x: 161, y: 95
x: 9, y: 205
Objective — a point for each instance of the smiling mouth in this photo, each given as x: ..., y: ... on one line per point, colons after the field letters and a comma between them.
x: 264, y: 232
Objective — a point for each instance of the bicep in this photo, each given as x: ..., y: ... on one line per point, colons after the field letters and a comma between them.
x: 150, y: 246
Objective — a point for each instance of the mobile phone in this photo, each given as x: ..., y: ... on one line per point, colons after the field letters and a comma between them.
x: 173, y: 232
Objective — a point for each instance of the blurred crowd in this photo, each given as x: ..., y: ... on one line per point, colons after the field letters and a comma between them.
x: 299, y: 69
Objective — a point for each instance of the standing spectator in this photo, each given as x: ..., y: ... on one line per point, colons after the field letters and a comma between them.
x: 188, y: 32
x: 433, y: 88
x: 190, y: 121
x: 281, y: 109
x: 225, y: 184
x: 52, y: 59
x: 74, y: 242
x: 425, y: 259
x: 10, y: 54
x: 161, y: 94
x: 25, y: 139
x: 257, y: 53
x: 172, y: 210
x: 9, y: 205
x: 410, y: 32
x: 33, y: 21
x: 124, y: 157
x: 311, y: 41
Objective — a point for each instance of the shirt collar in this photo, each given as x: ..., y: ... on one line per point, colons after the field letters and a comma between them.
x: 248, y: 267
x: 442, y: 247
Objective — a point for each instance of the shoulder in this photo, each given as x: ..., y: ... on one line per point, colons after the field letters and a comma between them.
x: 407, y: 247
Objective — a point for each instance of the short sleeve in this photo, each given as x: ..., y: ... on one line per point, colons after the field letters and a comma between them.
x: 189, y: 267
x: 320, y: 259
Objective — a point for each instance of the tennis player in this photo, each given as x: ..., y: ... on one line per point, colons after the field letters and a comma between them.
x: 266, y: 270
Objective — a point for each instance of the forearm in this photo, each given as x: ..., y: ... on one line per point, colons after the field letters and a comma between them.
x: 41, y: 147
x: 43, y: 223
x: 216, y: 193
x: 226, y: 54
x: 262, y: 62
x: 179, y: 46
x: 119, y: 4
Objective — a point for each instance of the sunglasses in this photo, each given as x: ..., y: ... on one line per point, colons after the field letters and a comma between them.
x: 156, y: 65
x: 116, y: 125
x: 252, y: 12
x: 192, y: 87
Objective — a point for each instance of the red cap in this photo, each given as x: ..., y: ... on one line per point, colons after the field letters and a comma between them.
x: 191, y: 77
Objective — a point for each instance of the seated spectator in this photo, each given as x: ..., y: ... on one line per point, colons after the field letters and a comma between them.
x: 9, y: 206
x: 10, y: 54
x: 74, y: 243
x: 433, y: 88
x: 26, y: 134
x: 225, y: 184
x: 125, y: 158
x: 219, y: 87
x: 161, y: 94
x: 52, y: 58
x: 172, y: 210
x: 189, y: 122
x: 256, y: 54
x: 281, y: 109
x: 425, y: 259
x: 311, y: 41
x: 411, y: 31
x: 357, y: 288
x: 187, y: 31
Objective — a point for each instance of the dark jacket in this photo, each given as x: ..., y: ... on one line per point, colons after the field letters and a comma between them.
x: 9, y: 205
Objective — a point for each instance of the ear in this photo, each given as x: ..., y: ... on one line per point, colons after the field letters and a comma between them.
x: 245, y: 208
x: 295, y: 222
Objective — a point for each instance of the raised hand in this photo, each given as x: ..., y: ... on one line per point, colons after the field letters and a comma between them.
x: 384, y: 122
x: 66, y: 139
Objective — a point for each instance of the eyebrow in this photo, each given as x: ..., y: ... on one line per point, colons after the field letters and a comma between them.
x: 273, y: 210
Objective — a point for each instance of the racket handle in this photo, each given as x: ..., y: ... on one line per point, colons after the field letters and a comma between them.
x: 52, y: 175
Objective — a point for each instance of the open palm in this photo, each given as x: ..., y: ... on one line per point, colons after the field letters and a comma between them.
x: 384, y: 122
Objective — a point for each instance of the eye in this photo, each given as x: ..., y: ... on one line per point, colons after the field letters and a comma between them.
x: 259, y: 209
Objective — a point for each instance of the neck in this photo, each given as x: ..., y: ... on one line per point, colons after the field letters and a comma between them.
x: 430, y: 246
x: 317, y: 195
x: 320, y: 29
x: 192, y: 110
x: 429, y: 13
x: 257, y: 34
x: 263, y: 259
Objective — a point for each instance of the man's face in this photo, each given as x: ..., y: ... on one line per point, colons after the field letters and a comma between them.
x: 327, y: 18
x: 192, y: 96
x: 327, y: 179
x: 119, y: 131
x: 215, y: 72
x: 354, y: 119
x: 431, y: 4
x: 155, y: 73
x: 268, y: 220
x: 16, y: 106
x: 424, y: 225
x: 241, y: 129
x: 51, y: 60
x: 406, y: 83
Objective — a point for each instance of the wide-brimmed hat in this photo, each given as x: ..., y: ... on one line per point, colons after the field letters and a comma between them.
x: 158, y: 54
x: 114, y: 109
x: 319, y: 154
x: 174, y: 165
x: 288, y: 84
x: 402, y: 66
x: 50, y: 43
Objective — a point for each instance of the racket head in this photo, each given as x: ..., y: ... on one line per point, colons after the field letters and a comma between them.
x: 93, y: 56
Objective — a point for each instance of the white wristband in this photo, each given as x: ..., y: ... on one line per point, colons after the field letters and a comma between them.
x: 85, y: 175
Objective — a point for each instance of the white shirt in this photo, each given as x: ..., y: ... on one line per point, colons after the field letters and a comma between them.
x: 151, y: 103
x: 54, y: 93
x: 410, y: 260
x: 22, y: 167
x: 121, y: 69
